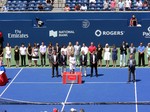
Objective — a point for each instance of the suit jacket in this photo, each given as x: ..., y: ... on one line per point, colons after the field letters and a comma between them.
x: 85, y: 60
x: 131, y: 67
x: 123, y: 50
x: 52, y: 59
x: 63, y: 60
x: 91, y: 59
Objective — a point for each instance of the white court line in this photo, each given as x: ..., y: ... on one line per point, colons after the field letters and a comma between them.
x: 11, y: 82
x: 61, y: 82
x: 67, y: 97
x: 135, y: 92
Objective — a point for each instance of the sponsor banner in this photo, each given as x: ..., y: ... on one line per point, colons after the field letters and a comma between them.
x: 84, y: 31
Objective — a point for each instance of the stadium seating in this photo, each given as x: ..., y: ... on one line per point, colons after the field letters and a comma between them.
x: 24, y: 5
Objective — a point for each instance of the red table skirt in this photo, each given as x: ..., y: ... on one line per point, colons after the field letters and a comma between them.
x: 3, y: 78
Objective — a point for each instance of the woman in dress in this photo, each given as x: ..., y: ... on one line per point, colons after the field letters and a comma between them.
x: 35, y: 54
x: 114, y: 55
x: 8, y: 54
x: 99, y: 54
x: 50, y: 49
x: 29, y: 53
x: 70, y: 50
x: 148, y: 53
x: 16, y: 55
x: 1, y: 52
x: 107, y: 54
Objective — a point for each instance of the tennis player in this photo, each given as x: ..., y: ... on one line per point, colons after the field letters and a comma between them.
x: 72, y: 63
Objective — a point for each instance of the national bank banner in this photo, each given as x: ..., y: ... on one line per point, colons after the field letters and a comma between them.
x: 64, y: 31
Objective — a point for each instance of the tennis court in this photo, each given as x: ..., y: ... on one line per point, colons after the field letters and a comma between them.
x: 35, y: 91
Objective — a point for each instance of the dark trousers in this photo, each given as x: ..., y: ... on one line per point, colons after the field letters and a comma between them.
x: 131, y: 72
x: 23, y: 60
x: 94, y: 66
x: 43, y: 59
x: 141, y: 58
x: 53, y: 68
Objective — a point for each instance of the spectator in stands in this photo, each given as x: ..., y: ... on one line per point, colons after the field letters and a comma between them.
x: 23, y: 54
x: 43, y: 54
x: 123, y: 53
x: 145, y: 5
x: 93, y: 63
x: 55, y: 61
x: 77, y: 7
x: 106, y: 5
x: 113, y: 5
x: 77, y: 49
x: 133, y: 21
x: 8, y: 54
x: 128, y: 5
x: 57, y: 48
x: 64, y: 49
x: 4, y: 8
x: 139, y: 4
x: 99, y: 55
x: 1, y: 52
x: 141, y: 50
x: 84, y: 48
x: 50, y: 49
x: 148, y: 53
x: 92, y: 48
x: 132, y: 50
x: 83, y: 7
x: 92, y: 1
x: 121, y: 5
x: 16, y: 55
x: 48, y: 2
x: 114, y: 55
x: 40, y: 7
x: 66, y: 8
x: 63, y: 62
x: 107, y: 53
x: 70, y: 50
x: 72, y: 63
x: 83, y: 63
x: 29, y: 53
x: 35, y: 54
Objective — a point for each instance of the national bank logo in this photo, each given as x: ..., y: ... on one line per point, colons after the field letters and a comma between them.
x: 61, y: 33
x: 146, y: 34
x: 99, y: 33
x: 52, y: 33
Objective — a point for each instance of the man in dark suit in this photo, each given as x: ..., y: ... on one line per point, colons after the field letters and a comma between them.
x: 93, y: 63
x: 63, y: 62
x: 57, y: 48
x: 131, y: 67
x: 83, y: 62
x: 55, y: 60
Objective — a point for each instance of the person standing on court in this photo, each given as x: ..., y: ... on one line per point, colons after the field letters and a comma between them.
x: 92, y: 48
x: 77, y: 49
x: 141, y: 50
x: 132, y: 50
x: 55, y: 61
x: 72, y: 63
x: 93, y: 63
x: 83, y: 63
x: 63, y: 62
x: 123, y: 53
x: 43, y: 54
x: 23, y: 54
x: 131, y: 67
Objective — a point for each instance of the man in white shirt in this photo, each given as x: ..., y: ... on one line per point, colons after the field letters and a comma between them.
x: 43, y: 53
x: 83, y: 7
x: 23, y: 54
x: 128, y: 5
x: 84, y: 48
x: 121, y: 5
x: 77, y: 49
x: 92, y: 1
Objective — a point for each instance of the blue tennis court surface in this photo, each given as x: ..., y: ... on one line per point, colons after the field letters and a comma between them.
x: 36, y: 85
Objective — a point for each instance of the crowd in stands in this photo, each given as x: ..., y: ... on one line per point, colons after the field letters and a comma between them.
x: 41, y: 52
x: 107, y: 5
x: 28, y: 5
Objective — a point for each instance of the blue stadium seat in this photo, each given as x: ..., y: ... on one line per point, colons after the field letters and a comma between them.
x: 31, y: 5
x: 22, y: 9
x: 9, y: 2
x: 85, y: 2
x: 30, y: 9
x: 47, y: 9
x: 68, y: 1
x: 98, y: 9
x: 72, y: 5
x: 17, y: 9
x: 74, y: 1
x: 36, y: 9
x: 79, y: 2
x: 10, y: 9
x: 14, y: 1
x: 92, y: 9
x: 25, y: 2
x: 38, y: 1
